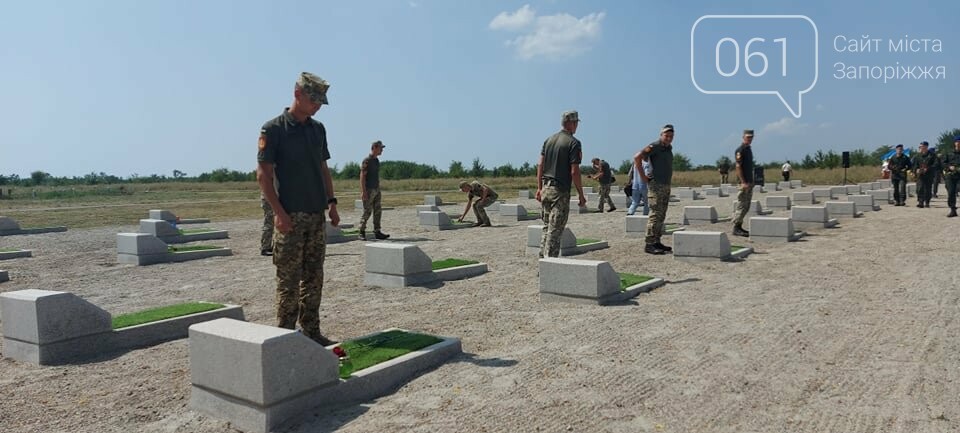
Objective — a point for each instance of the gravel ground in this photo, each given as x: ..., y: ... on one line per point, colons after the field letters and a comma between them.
x: 853, y: 329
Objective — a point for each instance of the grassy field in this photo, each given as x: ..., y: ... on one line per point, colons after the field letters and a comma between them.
x: 108, y: 205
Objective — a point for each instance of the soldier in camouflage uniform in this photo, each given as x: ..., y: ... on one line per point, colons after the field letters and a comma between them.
x: 951, y: 175
x: 899, y: 165
x: 603, y: 175
x: 925, y: 166
x: 660, y: 156
x: 745, y: 172
x: 485, y: 196
x: 293, y: 150
x: 370, y: 191
x: 559, y: 167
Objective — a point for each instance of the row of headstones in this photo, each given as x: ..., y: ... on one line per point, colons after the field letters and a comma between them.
x: 255, y: 376
x: 10, y: 226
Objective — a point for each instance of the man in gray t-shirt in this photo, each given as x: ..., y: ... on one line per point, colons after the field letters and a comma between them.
x: 660, y: 155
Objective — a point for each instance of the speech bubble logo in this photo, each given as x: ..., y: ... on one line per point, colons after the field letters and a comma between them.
x: 755, y: 55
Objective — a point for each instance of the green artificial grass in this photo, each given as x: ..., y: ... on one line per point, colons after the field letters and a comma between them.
x: 585, y: 241
x: 350, y: 232
x: 735, y: 248
x: 627, y: 280
x: 9, y: 250
x: 378, y: 348
x: 183, y: 249
x: 155, y: 314
x: 194, y: 231
x: 451, y: 263
x: 533, y: 213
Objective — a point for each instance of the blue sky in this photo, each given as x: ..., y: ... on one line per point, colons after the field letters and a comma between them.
x: 129, y: 87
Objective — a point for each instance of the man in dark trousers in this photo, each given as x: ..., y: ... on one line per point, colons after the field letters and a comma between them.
x: 899, y: 165
x: 925, y: 166
x: 951, y: 175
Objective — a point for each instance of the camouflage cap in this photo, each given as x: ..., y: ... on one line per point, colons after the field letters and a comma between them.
x: 464, y: 183
x: 314, y: 86
x: 748, y: 132
x: 570, y: 116
x: 377, y: 143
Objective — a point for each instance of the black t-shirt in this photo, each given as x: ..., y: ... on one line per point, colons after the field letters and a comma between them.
x: 661, y: 159
x: 297, y: 151
x: 744, y: 157
x: 372, y: 165
x: 560, y: 151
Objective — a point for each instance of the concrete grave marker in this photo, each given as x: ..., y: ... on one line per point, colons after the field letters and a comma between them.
x: 784, y: 185
x: 806, y: 217
x: 687, y: 193
x: 432, y: 200
x: 844, y: 209
x: 438, y: 220
x: 526, y: 194
x: 801, y: 198
x: 772, y: 186
x: 881, y: 195
x: 166, y: 232
x: 778, y: 202
x: 853, y: 189
x: 146, y: 249
x: 773, y: 229
x: 568, y: 242
x: 864, y: 202
x: 755, y: 209
x: 796, y: 183
x: 585, y: 281
x: 838, y: 191
x: 636, y: 226
x: 514, y: 213
x: 10, y: 227
x: 700, y: 215
x: 160, y: 214
x: 15, y: 254
x: 705, y: 246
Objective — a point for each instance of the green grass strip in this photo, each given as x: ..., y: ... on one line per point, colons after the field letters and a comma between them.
x: 155, y: 314
x: 627, y: 280
x: 451, y: 263
x: 183, y: 249
x: 585, y: 241
x: 194, y: 231
x: 735, y: 248
x: 350, y: 232
x: 378, y: 348
x: 9, y: 250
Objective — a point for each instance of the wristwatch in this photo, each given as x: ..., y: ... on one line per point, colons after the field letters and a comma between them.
x: 332, y: 200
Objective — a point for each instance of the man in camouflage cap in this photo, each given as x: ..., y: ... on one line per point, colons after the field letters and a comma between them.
x: 485, y: 196
x: 370, y: 191
x: 660, y: 157
x: 559, y: 167
x: 293, y: 150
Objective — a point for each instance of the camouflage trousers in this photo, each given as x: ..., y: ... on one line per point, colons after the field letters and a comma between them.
x: 555, y: 209
x: 266, y: 233
x: 371, y: 206
x: 659, y: 197
x: 480, y: 212
x: 299, y: 256
x: 744, y: 197
x: 605, y: 197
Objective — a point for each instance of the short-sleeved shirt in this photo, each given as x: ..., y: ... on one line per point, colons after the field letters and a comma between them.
x: 744, y: 157
x: 786, y: 168
x: 297, y: 150
x: 372, y: 166
x: 724, y: 168
x: 560, y: 151
x: 661, y: 159
x: 476, y: 190
x: 605, y: 175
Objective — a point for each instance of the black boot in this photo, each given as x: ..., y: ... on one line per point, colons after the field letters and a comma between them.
x: 953, y: 213
x: 663, y: 247
x: 739, y: 231
x: 380, y: 235
x: 920, y: 205
x: 363, y: 235
x: 652, y: 249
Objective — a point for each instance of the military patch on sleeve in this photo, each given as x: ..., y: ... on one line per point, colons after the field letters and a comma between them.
x: 262, y: 142
x: 738, y: 156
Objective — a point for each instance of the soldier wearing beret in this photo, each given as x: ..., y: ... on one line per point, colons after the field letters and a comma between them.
x: 899, y: 165
x: 951, y: 175
x: 925, y: 166
x: 293, y: 149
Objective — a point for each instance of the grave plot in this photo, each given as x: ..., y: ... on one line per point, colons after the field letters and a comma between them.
x: 701, y: 215
x: 727, y: 189
x: 170, y: 234
x: 516, y: 213
x: 853, y: 189
x: 759, y: 189
x: 260, y: 377
x: 842, y: 209
x: 435, y: 201
x: 170, y: 217
x: 403, y: 265
x: 796, y: 183
x: 569, y: 244
x: 340, y: 234
x: 10, y: 227
x: 586, y: 190
x: 784, y: 185
x: 882, y: 184
x: 881, y: 195
x: 4, y: 276
x: 864, y: 202
x: 495, y: 206
x: 911, y: 190
x: 14, y: 253
x: 773, y: 229
x: 687, y: 193
x: 636, y: 226
x: 807, y: 217
x: 576, y: 209
x: 804, y: 198
x: 146, y: 249
x: 48, y: 327
x: 358, y: 205
x: 706, y: 246
x: 438, y: 220
x: 771, y: 186
x: 819, y: 194
x: 867, y: 186
x: 755, y: 209
x: 778, y: 202
x: 426, y: 208
x: 526, y: 194
x: 589, y: 282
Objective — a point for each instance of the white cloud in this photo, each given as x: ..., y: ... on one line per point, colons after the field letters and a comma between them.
x: 784, y: 126
x: 513, y: 21
x: 552, y: 36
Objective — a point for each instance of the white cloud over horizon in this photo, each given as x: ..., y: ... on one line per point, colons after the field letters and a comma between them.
x: 554, y: 37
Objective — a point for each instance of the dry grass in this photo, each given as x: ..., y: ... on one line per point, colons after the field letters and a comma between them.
x: 105, y: 205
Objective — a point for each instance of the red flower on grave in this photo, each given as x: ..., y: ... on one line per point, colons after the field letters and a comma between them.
x: 178, y: 218
x: 339, y: 352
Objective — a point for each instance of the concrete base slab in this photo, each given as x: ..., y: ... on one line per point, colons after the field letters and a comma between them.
x: 194, y: 221
x: 32, y: 231
x: 182, y: 256
x: 829, y: 224
x: 195, y: 237
x: 387, y: 280
x: 628, y: 293
x: 461, y: 272
x: 7, y: 255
